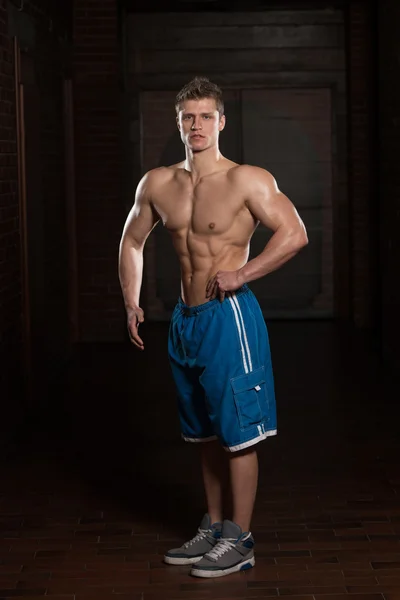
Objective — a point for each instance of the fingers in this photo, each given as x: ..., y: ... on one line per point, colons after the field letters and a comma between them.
x: 135, y: 338
x: 214, y: 291
x: 210, y: 286
x: 134, y: 333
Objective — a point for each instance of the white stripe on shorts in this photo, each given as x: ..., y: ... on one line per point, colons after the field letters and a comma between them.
x: 235, y: 312
x: 255, y: 440
x: 246, y: 343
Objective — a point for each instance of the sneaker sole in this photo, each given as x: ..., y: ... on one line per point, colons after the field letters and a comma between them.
x: 171, y: 560
x: 243, y: 566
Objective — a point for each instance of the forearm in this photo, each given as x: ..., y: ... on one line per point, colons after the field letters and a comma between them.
x: 130, y: 273
x: 281, y: 247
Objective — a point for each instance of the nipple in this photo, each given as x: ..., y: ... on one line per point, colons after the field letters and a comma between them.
x: 211, y: 225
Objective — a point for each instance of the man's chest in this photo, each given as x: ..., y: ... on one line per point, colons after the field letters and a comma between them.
x: 207, y: 208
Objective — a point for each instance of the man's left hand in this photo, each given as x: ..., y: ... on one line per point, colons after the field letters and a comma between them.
x: 222, y: 282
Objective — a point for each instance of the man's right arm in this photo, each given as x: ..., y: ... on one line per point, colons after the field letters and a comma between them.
x: 140, y: 222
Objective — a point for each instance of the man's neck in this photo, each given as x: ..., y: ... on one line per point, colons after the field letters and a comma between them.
x: 203, y: 163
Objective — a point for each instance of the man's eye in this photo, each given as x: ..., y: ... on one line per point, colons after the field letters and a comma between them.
x: 207, y: 116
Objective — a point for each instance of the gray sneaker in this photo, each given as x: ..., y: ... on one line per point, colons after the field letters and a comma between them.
x: 234, y: 552
x: 192, y: 551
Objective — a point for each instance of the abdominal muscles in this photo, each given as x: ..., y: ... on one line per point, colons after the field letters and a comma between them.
x: 201, y: 257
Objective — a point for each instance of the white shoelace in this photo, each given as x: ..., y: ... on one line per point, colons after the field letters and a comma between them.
x: 200, y: 536
x: 221, y: 547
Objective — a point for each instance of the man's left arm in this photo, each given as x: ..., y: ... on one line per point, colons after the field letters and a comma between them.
x: 276, y: 212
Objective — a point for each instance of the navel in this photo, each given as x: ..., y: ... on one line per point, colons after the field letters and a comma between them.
x: 211, y: 225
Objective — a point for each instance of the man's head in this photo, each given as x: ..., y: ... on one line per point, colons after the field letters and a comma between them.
x: 200, y: 113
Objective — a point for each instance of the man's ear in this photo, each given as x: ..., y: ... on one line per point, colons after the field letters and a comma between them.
x: 222, y: 123
x: 178, y: 122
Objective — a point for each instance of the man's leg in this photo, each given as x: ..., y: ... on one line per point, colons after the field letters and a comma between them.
x: 237, y: 499
x: 215, y: 468
x: 238, y: 553
x: 244, y: 479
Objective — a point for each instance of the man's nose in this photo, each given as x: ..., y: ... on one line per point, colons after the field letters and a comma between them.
x: 196, y: 123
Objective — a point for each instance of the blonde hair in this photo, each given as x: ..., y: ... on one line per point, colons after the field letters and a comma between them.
x: 197, y: 89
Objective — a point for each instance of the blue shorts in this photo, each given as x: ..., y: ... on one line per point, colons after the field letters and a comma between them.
x: 221, y: 363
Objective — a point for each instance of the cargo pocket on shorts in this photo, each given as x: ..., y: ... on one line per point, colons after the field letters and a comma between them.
x: 250, y: 396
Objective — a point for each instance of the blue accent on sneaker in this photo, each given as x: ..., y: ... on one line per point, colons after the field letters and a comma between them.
x: 229, y: 555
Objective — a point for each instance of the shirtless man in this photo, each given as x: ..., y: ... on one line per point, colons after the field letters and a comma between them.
x: 218, y: 342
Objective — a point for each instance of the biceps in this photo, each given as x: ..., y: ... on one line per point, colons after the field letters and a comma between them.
x: 275, y: 212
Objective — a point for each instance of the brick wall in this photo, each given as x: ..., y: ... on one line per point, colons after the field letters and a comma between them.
x: 389, y: 187
x: 10, y: 276
x: 41, y: 30
x: 99, y: 167
x: 50, y: 69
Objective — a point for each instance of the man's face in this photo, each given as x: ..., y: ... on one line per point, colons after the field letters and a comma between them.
x: 200, y: 123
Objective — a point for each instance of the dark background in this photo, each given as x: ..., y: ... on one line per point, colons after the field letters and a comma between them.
x: 95, y: 482
x: 95, y: 110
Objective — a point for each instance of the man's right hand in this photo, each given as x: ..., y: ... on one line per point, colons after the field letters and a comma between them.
x: 135, y: 317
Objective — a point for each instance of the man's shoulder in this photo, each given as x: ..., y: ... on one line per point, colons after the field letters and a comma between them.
x: 249, y: 177
x: 253, y: 182
x: 159, y: 173
x: 245, y: 171
x: 162, y: 174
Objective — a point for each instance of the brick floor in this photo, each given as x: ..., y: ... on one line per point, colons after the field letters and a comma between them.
x: 102, y: 484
